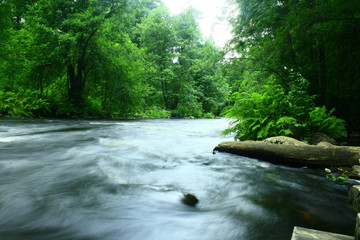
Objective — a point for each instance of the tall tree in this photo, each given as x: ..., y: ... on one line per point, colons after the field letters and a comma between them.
x: 66, y: 30
x: 158, y: 40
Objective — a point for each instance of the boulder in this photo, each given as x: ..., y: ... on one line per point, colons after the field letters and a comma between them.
x: 354, y: 196
x: 320, y: 137
x: 299, y: 155
x: 354, y: 172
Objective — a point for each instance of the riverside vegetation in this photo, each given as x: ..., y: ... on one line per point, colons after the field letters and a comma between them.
x: 294, y: 68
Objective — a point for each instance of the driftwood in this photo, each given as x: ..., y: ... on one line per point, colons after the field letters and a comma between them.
x: 325, y: 155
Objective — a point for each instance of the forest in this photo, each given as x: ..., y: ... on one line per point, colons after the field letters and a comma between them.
x: 108, y: 59
x: 293, y: 68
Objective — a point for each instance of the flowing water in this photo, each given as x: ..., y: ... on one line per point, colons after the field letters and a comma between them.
x: 124, y: 180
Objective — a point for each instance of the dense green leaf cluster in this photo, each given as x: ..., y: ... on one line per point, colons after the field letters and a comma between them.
x: 24, y: 103
x: 184, y: 71
x: 271, y: 111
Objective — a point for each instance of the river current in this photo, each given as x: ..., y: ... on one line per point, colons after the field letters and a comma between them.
x: 124, y: 180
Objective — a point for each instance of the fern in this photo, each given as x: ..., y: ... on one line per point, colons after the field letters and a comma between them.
x: 21, y: 104
x: 322, y: 121
x: 272, y: 111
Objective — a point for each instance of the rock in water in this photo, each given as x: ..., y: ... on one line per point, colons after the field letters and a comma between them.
x: 190, y: 200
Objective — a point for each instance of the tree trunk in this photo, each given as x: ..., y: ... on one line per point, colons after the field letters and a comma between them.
x: 291, y: 155
x: 76, y: 85
x: 77, y: 72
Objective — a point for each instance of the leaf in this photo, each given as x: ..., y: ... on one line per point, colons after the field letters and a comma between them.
x: 286, y: 132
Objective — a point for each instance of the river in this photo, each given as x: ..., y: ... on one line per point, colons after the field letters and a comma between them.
x: 124, y: 180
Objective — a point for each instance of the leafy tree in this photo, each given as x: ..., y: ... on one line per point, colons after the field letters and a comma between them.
x: 183, y: 73
x: 64, y: 33
x: 118, y: 79
x: 318, y: 38
x: 208, y: 78
x: 158, y: 40
x: 198, y: 70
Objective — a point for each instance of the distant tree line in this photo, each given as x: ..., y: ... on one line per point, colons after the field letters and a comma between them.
x: 106, y: 58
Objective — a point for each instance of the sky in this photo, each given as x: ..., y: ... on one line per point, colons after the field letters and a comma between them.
x: 212, y: 20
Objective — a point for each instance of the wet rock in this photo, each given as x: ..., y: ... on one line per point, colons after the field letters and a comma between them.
x: 354, y: 172
x: 320, y: 137
x: 354, y: 196
x: 349, y: 183
x: 357, y: 227
x: 300, y: 233
x: 190, y: 200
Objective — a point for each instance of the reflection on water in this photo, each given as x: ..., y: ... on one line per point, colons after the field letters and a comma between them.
x: 124, y: 180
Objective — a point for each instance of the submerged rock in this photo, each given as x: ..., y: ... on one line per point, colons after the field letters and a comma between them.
x: 190, y: 200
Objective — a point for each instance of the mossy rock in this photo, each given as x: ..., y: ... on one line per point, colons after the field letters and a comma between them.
x: 285, y: 140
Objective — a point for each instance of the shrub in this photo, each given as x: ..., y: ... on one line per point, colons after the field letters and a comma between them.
x: 260, y: 115
x: 155, y: 113
x: 208, y: 115
x: 273, y: 111
x: 24, y: 103
x: 322, y: 121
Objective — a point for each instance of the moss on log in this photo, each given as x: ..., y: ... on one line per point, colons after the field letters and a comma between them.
x: 294, y: 155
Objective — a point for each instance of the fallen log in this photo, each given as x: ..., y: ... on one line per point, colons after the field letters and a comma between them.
x: 316, y: 156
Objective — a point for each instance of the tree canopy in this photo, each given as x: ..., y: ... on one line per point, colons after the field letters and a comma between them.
x: 105, y: 58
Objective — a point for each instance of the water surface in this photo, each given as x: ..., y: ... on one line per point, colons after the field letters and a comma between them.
x: 124, y: 180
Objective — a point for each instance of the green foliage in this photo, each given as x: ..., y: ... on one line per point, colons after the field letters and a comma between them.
x: 336, y: 178
x: 322, y: 121
x: 317, y: 38
x: 154, y: 113
x: 260, y: 115
x: 22, y: 104
x: 208, y: 115
x: 300, y: 101
x: 183, y: 73
x: 271, y: 111
x: 189, y: 106
x: 103, y: 58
